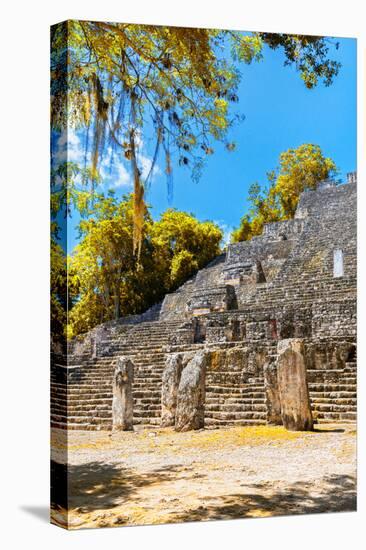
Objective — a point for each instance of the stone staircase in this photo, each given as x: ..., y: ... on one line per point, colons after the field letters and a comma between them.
x: 307, y: 273
x: 174, y: 305
x: 333, y: 395
x: 88, y: 392
x: 300, y: 295
x: 235, y: 398
x: 242, y: 404
x: 85, y: 401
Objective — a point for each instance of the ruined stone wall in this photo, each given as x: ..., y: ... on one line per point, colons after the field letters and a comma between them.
x: 202, y: 286
x: 245, y: 266
x: 292, y: 261
x: 307, y: 276
x: 297, y: 280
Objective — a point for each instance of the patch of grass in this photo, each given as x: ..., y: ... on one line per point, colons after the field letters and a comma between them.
x: 167, y: 441
x: 243, y: 435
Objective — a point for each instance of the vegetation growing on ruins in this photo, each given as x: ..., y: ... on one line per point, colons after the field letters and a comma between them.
x: 299, y: 169
x: 105, y: 281
x: 120, y: 84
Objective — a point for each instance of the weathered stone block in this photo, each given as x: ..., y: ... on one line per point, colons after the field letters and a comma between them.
x: 169, y: 390
x: 191, y: 395
x: 183, y: 335
x: 293, y: 386
x: 273, y: 402
x: 122, y: 404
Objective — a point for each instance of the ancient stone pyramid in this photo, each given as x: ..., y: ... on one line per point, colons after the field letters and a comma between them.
x: 296, y: 280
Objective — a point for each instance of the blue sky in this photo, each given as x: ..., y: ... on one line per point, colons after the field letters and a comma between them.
x: 280, y: 113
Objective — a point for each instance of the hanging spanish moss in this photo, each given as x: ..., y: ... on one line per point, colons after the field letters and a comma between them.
x: 123, y: 80
x: 101, y: 112
x: 169, y: 176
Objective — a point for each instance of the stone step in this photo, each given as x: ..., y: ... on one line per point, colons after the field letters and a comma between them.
x: 333, y: 395
x: 81, y: 390
x: 321, y: 420
x: 147, y: 400
x: 339, y: 401
x: 109, y: 368
x: 325, y: 387
x: 107, y: 426
x: 221, y: 415
x: 88, y: 377
x: 229, y: 407
x: 93, y: 400
x: 330, y: 416
x: 233, y: 400
x: 237, y: 392
x: 146, y: 393
x: 216, y: 422
x: 95, y: 396
x: 107, y: 408
x: 146, y: 386
x: 80, y: 419
x: 330, y: 407
x: 147, y: 413
x: 143, y: 420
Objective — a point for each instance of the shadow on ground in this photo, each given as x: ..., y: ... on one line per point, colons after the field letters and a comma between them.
x: 338, y: 495
x: 97, y: 486
x: 329, y: 430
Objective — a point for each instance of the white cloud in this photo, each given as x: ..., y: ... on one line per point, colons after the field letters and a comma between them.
x: 69, y: 147
x: 144, y: 162
x: 226, y: 230
x: 124, y: 177
x: 113, y: 171
x: 145, y: 165
x: 116, y: 174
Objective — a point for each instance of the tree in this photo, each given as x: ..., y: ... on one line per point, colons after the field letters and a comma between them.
x: 58, y: 291
x: 299, y: 169
x: 107, y: 279
x: 183, y: 245
x: 102, y: 263
x: 308, y: 53
x: 121, y: 81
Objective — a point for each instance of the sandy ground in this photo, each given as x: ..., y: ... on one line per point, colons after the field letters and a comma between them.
x: 159, y: 476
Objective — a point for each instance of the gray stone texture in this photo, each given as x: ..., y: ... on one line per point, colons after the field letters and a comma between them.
x: 277, y: 286
x: 190, y: 413
x: 273, y: 402
x: 122, y: 405
x: 293, y: 386
x: 169, y: 389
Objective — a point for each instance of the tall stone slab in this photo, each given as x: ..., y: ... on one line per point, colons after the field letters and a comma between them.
x: 169, y: 390
x: 122, y: 404
x: 191, y: 394
x: 273, y: 402
x: 293, y: 387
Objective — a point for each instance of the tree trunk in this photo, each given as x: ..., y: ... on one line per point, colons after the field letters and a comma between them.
x: 117, y: 306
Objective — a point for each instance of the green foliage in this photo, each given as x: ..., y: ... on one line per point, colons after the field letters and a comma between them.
x: 182, y: 245
x: 309, y: 54
x: 112, y: 79
x: 182, y: 266
x: 58, y: 290
x: 299, y: 169
x: 108, y: 281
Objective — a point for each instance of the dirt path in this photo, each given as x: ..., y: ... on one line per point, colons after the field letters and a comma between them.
x: 159, y: 476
